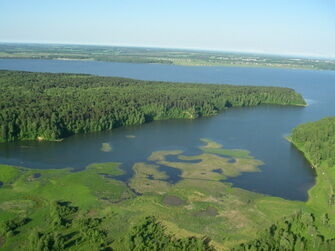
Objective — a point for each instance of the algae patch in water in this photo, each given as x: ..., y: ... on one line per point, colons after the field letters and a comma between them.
x: 106, y: 147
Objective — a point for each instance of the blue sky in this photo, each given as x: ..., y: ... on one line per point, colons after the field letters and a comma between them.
x: 296, y: 27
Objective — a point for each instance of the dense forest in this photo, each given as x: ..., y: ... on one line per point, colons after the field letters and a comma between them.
x: 49, y: 106
x: 317, y: 140
x: 298, y: 232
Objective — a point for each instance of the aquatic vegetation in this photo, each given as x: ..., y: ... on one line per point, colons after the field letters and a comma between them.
x: 210, y: 162
x: 210, y: 144
x: 148, y: 179
x: 106, y: 147
x: 209, y: 165
x: 91, y: 209
x: 213, y: 147
x: 143, y: 170
x: 161, y: 155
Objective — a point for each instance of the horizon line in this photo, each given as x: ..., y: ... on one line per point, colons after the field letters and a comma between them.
x: 308, y: 56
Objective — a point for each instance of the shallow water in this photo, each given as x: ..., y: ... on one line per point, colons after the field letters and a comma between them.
x: 261, y: 130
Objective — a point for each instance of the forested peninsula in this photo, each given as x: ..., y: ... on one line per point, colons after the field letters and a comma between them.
x: 317, y: 141
x: 46, y: 106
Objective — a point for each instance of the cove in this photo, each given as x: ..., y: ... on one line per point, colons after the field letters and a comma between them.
x: 260, y: 130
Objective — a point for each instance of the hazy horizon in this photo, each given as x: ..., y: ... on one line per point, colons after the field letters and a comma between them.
x: 181, y: 49
x: 299, y: 28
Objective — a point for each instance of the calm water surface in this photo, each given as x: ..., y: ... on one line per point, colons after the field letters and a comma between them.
x: 260, y: 130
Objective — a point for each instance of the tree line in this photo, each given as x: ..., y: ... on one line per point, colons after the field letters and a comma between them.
x: 298, y: 232
x: 52, y: 106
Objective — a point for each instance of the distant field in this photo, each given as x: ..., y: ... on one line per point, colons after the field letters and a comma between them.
x: 159, y: 56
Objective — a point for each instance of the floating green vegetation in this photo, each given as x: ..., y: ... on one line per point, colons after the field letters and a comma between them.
x: 213, y: 147
x: 209, y: 165
x: 106, y: 147
x: 161, y: 155
x: 130, y: 136
x: 210, y: 144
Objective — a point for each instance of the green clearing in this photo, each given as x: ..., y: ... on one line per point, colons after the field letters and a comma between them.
x: 90, y: 209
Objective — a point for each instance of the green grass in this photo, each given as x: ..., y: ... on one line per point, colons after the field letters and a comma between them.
x: 8, y: 174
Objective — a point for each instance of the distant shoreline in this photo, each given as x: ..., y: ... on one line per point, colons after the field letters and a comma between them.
x: 180, y: 64
x: 143, y: 55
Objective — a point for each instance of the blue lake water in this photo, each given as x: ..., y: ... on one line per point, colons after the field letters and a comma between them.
x: 261, y: 130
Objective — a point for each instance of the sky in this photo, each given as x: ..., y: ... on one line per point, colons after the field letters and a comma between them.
x: 288, y: 27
